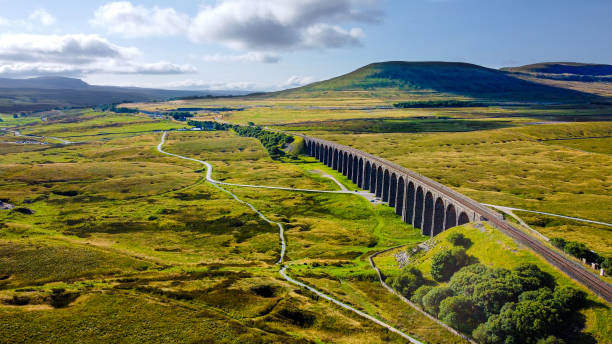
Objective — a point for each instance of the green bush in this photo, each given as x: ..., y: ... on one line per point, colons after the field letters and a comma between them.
x: 464, y: 280
x: 418, y: 295
x: 432, y: 300
x: 558, y: 242
x: 460, y: 313
x: 458, y: 239
x: 493, y: 294
x: 532, y: 278
x: 446, y: 263
x: 535, y: 318
x: 407, y: 282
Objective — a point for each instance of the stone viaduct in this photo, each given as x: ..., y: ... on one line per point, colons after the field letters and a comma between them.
x: 420, y: 201
x: 431, y: 206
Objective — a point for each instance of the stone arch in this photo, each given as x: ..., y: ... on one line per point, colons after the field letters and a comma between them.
x: 366, y: 176
x: 418, y: 208
x: 379, y: 182
x: 360, y: 173
x: 345, y: 164
x: 355, y: 170
x: 385, y: 190
x: 428, y: 214
x: 325, y: 154
x: 463, y: 219
x: 335, y: 159
x: 349, y: 173
x: 316, y: 151
x: 392, y: 190
x: 451, y: 217
x: 373, y: 173
x: 399, y: 199
x: 322, y: 153
x: 330, y: 157
x: 409, y: 213
x: 438, y: 219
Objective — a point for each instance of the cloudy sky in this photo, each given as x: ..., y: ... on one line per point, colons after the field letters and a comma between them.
x: 273, y: 44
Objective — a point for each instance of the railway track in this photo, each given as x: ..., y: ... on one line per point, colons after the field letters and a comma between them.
x: 569, y: 267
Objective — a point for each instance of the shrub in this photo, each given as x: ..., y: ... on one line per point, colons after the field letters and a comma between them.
x: 464, y: 280
x: 493, y: 294
x: 418, y: 295
x: 432, y: 300
x: 532, y: 278
x: 558, y: 242
x: 407, y: 282
x: 569, y: 299
x: 460, y: 313
x: 458, y: 239
x: 446, y: 263
x: 541, y: 294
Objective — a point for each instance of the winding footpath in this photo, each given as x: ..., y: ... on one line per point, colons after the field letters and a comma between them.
x: 283, y: 270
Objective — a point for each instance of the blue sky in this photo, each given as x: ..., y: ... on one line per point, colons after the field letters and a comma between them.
x: 272, y: 44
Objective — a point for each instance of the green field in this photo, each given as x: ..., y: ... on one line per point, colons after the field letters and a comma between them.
x: 128, y: 245
x: 120, y: 230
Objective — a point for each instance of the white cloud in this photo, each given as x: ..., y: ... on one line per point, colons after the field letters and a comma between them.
x: 261, y: 57
x: 42, y: 16
x: 296, y: 81
x: 247, y: 25
x: 4, y: 21
x: 29, y: 54
x: 124, y: 18
x: 280, y: 24
x: 321, y: 36
x: 196, y: 84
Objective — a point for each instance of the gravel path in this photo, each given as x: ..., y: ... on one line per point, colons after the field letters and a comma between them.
x: 283, y: 270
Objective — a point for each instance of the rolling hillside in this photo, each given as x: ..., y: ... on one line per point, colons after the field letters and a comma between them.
x: 583, y: 77
x: 45, y: 93
x: 440, y: 80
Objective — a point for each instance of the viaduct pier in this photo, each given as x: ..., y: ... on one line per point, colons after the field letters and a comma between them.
x: 433, y: 207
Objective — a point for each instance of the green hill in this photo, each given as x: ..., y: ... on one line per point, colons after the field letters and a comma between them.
x: 567, y: 68
x: 440, y: 80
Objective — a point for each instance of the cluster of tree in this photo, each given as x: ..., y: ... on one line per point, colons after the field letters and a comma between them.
x: 179, y: 115
x: 495, y: 306
x: 209, y: 125
x: 436, y: 104
x: 21, y: 114
x: 499, y: 306
x: 114, y: 108
x: 580, y: 251
x: 272, y: 141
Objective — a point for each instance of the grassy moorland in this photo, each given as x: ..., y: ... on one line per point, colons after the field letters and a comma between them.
x: 525, y: 167
x: 112, y: 241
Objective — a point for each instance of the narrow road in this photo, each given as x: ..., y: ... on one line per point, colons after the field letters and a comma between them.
x: 283, y: 269
x: 18, y: 134
x: 550, y: 214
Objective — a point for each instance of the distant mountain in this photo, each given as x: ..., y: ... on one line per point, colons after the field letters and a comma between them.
x: 45, y: 93
x: 443, y: 79
x: 46, y: 82
x: 584, y: 77
x: 568, y: 68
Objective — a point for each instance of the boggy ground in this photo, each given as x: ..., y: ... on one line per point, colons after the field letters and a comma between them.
x: 127, y: 245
